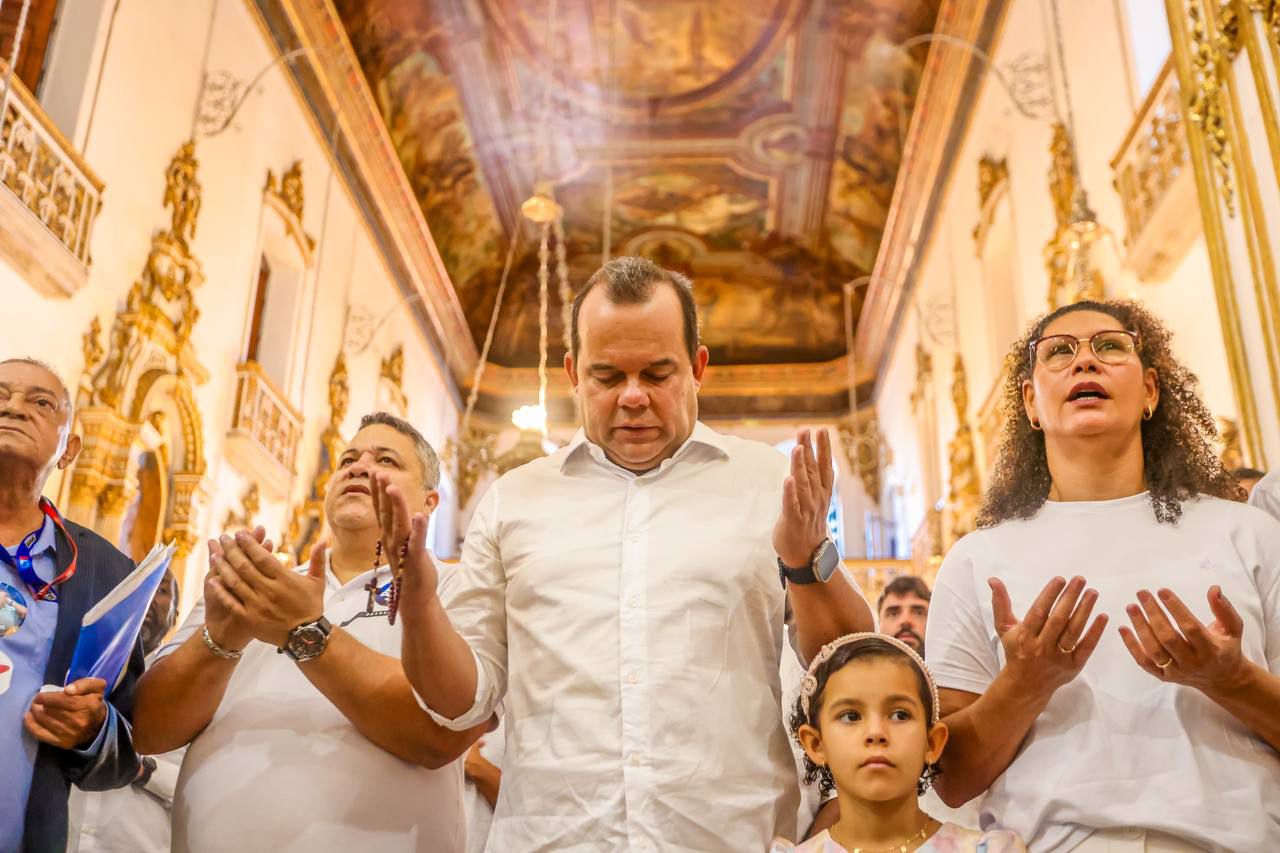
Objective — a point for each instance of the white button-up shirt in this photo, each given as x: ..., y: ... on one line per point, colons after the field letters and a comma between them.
x: 280, y: 769
x: 632, y: 627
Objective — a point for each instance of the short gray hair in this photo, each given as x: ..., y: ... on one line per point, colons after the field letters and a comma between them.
x: 426, y: 454
x: 62, y: 386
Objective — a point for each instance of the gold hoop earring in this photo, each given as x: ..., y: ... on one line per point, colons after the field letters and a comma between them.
x: 1149, y: 413
x: 1035, y: 424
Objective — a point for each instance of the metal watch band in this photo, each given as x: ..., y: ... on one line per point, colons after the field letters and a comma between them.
x: 211, y: 645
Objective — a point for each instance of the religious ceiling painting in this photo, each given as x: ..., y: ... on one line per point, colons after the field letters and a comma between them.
x: 753, y: 145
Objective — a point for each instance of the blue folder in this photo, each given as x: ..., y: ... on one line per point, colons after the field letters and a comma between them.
x: 110, y: 629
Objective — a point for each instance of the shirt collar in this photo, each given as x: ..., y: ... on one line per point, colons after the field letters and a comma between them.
x: 46, y: 542
x: 703, y: 437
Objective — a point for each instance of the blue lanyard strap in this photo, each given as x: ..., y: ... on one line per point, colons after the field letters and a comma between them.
x: 22, y: 562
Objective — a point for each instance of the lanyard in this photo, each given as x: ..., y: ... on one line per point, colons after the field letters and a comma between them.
x: 22, y: 560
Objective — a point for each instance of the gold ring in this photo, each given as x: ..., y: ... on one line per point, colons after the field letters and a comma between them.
x: 1066, y: 651
x: 1166, y: 664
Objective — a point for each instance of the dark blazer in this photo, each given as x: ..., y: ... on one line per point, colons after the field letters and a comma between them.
x: 99, y: 568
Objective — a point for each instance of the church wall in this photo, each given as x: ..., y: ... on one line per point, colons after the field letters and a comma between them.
x: 1105, y: 99
x: 144, y: 110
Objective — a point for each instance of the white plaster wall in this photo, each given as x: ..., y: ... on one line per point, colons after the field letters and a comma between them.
x: 150, y: 79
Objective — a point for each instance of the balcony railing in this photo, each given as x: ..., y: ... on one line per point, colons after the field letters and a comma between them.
x: 265, y: 430
x: 42, y: 170
x: 1156, y: 184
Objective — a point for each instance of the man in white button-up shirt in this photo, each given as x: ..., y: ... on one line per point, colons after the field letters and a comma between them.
x: 621, y: 597
x: 322, y: 747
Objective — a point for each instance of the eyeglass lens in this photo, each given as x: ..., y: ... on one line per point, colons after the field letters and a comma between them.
x: 1058, y: 351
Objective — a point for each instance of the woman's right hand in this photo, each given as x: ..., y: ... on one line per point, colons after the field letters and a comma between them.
x: 1049, y: 646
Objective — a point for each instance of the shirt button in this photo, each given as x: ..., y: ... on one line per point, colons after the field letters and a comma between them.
x: 635, y: 759
x: 634, y: 678
x: 631, y: 602
x: 635, y: 537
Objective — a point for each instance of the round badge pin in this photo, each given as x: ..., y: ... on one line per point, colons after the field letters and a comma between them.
x: 13, y: 610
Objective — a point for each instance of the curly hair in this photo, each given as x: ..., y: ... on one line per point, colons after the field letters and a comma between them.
x: 845, y: 655
x: 1178, y: 455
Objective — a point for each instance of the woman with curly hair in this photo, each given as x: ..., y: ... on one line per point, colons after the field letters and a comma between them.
x: 1163, y: 734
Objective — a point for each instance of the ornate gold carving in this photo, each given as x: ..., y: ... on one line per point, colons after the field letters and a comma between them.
x: 265, y: 430
x: 148, y: 370
x: 307, y: 519
x: 250, y: 505
x: 1068, y: 254
x: 1230, y: 38
x: 867, y: 451
x: 1153, y: 174
x: 1062, y: 174
x: 290, y: 196
x: 91, y: 346
x: 991, y: 174
x: 924, y: 375
x: 1205, y: 107
x: 393, y: 367
x: 1232, y: 450
x: 527, y: 448
x: 966, y: 487
x: 473, y: 454
x: 182, y: 192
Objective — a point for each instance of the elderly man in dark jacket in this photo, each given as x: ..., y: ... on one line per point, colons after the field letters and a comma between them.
x: 51, y: 572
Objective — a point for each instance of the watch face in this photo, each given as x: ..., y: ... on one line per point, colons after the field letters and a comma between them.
x: 824, y: 565
x: 308, y: 642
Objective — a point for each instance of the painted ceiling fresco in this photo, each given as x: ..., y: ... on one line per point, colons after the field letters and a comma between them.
x: 752, y: 144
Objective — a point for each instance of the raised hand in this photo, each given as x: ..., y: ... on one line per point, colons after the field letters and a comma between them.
x: 226, y: 628
x: 266, y: 596
x: 1049, y: 646
x: 404, y: 535
x: 1176, y: 647
x: 806, y: 497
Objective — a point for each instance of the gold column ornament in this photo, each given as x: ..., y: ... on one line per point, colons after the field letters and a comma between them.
x: 472, y: 454
x: 867, y: 451
x: 250, y: 506
x: 966, y: 486
x: 1205, y: 109
x: 393, y: 367
x: 306, y: 521
x: 991, y: 174
x: 1229, y: 435
x: 147, y: 369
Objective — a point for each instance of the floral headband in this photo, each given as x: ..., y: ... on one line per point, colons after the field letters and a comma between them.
x: 809, y: 684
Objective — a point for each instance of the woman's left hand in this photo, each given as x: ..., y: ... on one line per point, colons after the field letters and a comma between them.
x: 1178, y: 648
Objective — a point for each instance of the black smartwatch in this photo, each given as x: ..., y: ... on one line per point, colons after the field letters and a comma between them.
x: 820, y: 569
x: 308, y: 641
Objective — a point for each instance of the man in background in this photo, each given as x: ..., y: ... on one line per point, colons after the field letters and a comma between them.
x: 1248, y: 478
x: 904, y: 609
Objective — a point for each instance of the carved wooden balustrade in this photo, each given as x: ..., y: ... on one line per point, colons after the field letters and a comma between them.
x: 265, y: 430
x: 45, y: 173
x: 1157, y: 187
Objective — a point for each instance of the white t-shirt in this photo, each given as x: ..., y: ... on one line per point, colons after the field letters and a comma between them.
x: 280, y: 769
x: 1116, y: 747
x: 479, y: 812
x: 1266, y: 494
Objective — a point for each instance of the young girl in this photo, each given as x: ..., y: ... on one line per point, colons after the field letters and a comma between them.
x: 867, y: 718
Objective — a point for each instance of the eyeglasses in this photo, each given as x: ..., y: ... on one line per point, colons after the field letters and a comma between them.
x: 1058, y: 352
